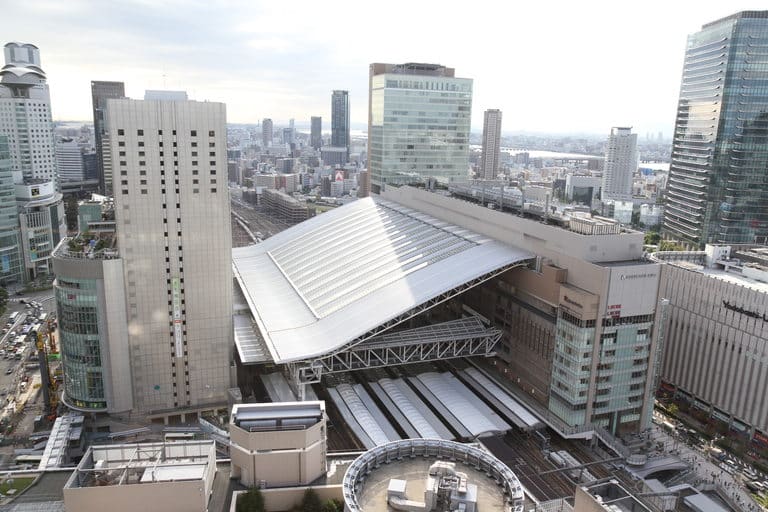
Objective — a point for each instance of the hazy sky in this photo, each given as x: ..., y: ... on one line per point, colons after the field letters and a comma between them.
x: 570, y: 66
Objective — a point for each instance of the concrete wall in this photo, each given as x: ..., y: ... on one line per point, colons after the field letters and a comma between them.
x: 157, y: 497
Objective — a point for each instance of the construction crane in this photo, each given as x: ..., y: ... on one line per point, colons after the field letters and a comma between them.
x: 47, y: 382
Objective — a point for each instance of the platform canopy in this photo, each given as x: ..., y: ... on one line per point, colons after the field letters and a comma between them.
x: 336, y: 279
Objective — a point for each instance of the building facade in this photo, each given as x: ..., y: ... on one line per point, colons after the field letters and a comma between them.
x: 93, y: 334
x: 100, y: 92
x: 25, y: 114
x: 579, y: 328
x: 266, y: 132
x: 316, y: 132
x: 418, y: 124
x: 69, y: 161
x: 340, y: 129
x: 11, y: 258
x: 716, y: 191
x: 620, y: 164
x: 491, y: 144
x: 173, y: 226
x: 715, y: 362
x: 42, y: 223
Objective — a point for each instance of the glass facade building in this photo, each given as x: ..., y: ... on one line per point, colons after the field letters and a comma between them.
x: 717, y: 190
x: 11, y: 267
x: 340, y: 134
x: 418, y: 124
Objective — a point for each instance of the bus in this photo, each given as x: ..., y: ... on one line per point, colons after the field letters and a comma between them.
x: 13, y: 317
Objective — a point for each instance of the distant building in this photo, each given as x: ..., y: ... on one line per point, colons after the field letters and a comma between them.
x: 316, y: 132
x: 491, y: 144
x: 582, y: 189
x: 325, y: 187
x: 25, y: 114
x: 266, y: 133
x: 340, y: 128
x: 42, y: 222
x: 651, y: 214
x: 331, y: 155
x: 363, y: 184
x: 717, y: 191
x: 404, y: 143
x: 620, y: 164
x: 619, y: 210
x: 100, y: 92
x: 173, y: 226
x: 11, y: 257
x: 69, y: 160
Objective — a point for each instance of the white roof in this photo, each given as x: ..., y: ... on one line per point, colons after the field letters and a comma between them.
x: 320, y: 285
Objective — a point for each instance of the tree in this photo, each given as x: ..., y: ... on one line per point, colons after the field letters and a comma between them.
x: 311, y: 502
x: 666, y: 245
x: 70, y: 212
x: 251, y: 501
x: 672, y: 409
x: 332, y: 506
x: 652, y: 238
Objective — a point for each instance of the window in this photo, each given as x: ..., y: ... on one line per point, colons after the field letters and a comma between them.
x: 213, y: 181
x: 123, y: 162
x: 194, y: 153
x: 142, y: 162
x: 142, y: 173
x: 159, y: 132
x: 194, y: 144
x: 143, y: 182
x: 124, y: 182
x: 144, y: 191
x: 213, y: 190
x: 195, y: 190
x: 120, y: 131
x: 141, y: 153
x: 193, y: 133
x: 140, y: 133
x: 121, y: 144
x: 194, y: 162
x: 141, y: 144
x: 121, y: 153
x: 213, y: 171
x: 194, y: 171
x: 211, y: 144
x: 123, y: 173
x: 211, y: 133
x: 212, y: 153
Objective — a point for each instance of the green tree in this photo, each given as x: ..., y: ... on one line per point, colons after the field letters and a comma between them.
x: 331, y: 506
x: 652, y: 238
x: 311, y: 502
x: 672, y: 409
x: 3, y: 300
x: 251, y: 501
x: 70, y: 212
x: 666, y: 245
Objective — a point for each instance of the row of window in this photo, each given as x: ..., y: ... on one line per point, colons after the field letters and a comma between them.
x: 140, y: 132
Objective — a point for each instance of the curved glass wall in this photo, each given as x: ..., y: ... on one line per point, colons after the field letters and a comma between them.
x: 77, y: 305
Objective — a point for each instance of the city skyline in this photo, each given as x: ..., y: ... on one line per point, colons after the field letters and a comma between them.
x: 550, y: 86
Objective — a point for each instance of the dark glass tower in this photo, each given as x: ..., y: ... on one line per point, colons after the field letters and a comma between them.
x: 718, y: 180
x: 316, y: 133
x: 100, y: 93
x: 340, y: 137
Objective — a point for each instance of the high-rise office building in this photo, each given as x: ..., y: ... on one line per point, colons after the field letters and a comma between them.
x: 717, y: 192
x: 491, y: 143
x: 25, y: 113
x: 11, y: 264
x: 340, y: 134
x: 69, y: 161
x: 266, y: 132
x: 620, y: 164
x: 418, y: 124
x: 316, y: 132
x: 100, y: 92
x: 173, y: 230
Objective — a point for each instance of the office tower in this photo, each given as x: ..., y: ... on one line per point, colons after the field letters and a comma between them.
x: 173, y: 230
x: 418, y: 124
x: 340, y: 135
x: 25, y: 113
x: 100, y: 92
x: 316, y: 133
x: 42, y: 223
x: 620, y: 164
x: 10, y: 244
x: 69, y: 161
x: 491, y: 144
x: 266, y: 133
x: 717, y: 192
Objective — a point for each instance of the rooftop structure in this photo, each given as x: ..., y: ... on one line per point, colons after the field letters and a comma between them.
x: 393, y: 475
x: 66, y: 433
x: 382, y: 261
x: 173, y: 477
x: 278, y: 444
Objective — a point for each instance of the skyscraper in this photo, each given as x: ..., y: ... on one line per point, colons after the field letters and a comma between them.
x: 620, y: 164
x: 69, y: 161
x: 418, y: 124
x: 11, y: 264
x: 266, y: 132
x: 173, y: 228
x: 340, y: 135
x: 25, y: 113
x: 717, y: 191
x: 316, y: 133
x: 100, y: 92
x: 491, y: 143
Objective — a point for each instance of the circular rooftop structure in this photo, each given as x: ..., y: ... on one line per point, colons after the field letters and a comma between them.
x: 425, y: 474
